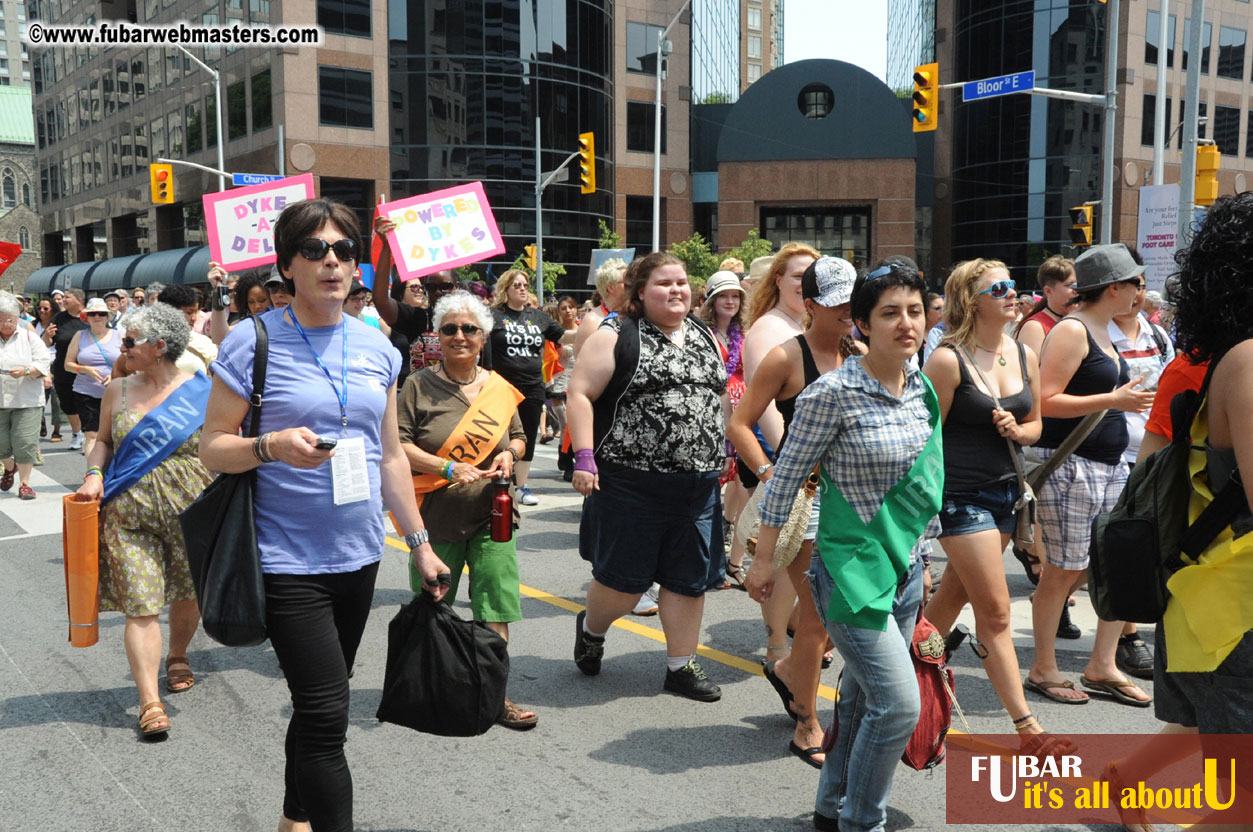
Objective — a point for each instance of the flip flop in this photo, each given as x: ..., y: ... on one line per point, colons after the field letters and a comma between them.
x: 1043, y: 689
x: 1028, y: 561
x: 1113, y: 687
x: 780, y: 688
x: 806, y: 754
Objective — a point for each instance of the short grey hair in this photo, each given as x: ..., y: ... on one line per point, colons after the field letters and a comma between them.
x: 611, y: 271
x: 78, y: 293
x: 9, y: 305
x: 154, y: 289
x: 160, y: 322
x: 462, y: 301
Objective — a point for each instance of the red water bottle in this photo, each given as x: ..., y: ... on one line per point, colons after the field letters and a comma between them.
x: 502, y: 511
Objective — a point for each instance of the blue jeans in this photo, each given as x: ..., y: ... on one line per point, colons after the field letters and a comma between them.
x: 878, y: 706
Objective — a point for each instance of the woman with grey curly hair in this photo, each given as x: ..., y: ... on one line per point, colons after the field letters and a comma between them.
x: 144, y: 469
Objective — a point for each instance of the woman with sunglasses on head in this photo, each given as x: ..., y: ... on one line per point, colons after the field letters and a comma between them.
x: 330, y: 379
x: 1082, y: 373
x: 455, y: 471
x: 90, y: 356
x: 515, y: 349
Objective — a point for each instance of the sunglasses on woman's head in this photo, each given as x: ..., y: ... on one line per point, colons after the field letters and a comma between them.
x: 315, y: 249
x: 131, y: 343
x: 999, y: 289
x: 466, y: 329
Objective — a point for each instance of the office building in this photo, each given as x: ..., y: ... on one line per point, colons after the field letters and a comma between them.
x: 19, y: 210
x: 14, y: 55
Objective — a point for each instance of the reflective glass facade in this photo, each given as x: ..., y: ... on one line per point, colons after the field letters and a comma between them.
x: 911, y: 40
x: 1020, y: 161
x: 467, y: 79
x: 715, y: 51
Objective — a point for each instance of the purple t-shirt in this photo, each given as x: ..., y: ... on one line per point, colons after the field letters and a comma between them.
x: 300, y: 530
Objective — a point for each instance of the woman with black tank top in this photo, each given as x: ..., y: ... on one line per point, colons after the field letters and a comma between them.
x: 827, y: 288
x: 980, y: 481
x: 1080, y: 373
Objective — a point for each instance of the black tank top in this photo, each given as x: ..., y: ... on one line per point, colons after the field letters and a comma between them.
x: 975, y: 453
x: 1097, y: 373
x: 787, y: 407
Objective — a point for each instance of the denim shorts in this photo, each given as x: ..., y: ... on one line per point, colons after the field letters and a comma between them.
x: 1220, y: 702
x: 988, y: 507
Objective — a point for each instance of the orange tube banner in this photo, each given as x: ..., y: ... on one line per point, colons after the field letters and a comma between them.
x: 80, y: 535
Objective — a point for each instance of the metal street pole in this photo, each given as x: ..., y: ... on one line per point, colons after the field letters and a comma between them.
x: 661, y: 40
x: 539, y: 220
x: 1159, y: 104
x: 217, y: 103
x: 1111, y: 111
x: 1187, y: 171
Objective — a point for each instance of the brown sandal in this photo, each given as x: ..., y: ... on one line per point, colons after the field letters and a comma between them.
x: 517, y: 718
x: 178, y: 675
x: 153, y: 721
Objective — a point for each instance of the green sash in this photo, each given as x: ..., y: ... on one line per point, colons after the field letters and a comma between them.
x: 866, y: 561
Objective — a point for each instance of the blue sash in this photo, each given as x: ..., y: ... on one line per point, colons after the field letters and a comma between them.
x: 157, y: 435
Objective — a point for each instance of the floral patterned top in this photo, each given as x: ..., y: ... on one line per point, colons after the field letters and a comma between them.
x: 670, y: 416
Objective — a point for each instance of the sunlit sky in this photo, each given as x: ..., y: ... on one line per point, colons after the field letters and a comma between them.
x: 848, y: 30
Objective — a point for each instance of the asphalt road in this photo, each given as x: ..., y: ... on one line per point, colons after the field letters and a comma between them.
x: 612, y: 752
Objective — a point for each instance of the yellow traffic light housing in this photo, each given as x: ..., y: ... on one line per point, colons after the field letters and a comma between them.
x: 1207, y: 160
x: 530, y: 257
x: 926, y: 97
x: 161, y: 180
x: 587, y: 162
x: 1081, y: 225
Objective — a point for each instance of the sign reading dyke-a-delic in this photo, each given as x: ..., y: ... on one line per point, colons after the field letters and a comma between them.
x: 441, y: 230
x: 241, y: 221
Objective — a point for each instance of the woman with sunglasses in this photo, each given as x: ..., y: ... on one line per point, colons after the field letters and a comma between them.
x: 90, y: 356
x: 45, y: 311
x: 455, y: 475
x: 515, y: 349
x: 249, y: 298
x: 330, y: 379
x: 143, y: 560
x: 988, y: 387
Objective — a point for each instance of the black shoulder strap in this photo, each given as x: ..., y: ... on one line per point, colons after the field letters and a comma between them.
x: 260, y: 359
x: 1159, y: 337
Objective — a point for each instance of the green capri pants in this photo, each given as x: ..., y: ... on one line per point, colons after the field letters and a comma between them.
x: 19, y: 434
x: 494, y: 594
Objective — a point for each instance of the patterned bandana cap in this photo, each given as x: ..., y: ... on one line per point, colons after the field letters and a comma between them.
x: 828, y: 281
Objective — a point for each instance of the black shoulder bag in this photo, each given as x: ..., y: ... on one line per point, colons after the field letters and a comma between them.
x: 220, y: 532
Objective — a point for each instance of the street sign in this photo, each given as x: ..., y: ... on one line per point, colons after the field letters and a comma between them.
x: 1004, y: 85
x: 239, y: 180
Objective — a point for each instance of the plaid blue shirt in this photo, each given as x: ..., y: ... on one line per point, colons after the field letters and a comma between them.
x: 866, y: 439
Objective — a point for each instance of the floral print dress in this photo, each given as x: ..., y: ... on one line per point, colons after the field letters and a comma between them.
x: 143, y: 562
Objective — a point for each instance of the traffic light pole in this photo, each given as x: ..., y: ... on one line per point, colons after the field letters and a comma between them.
x: 1187, y: 171
x: 1111, y: 110
x: 541, y: 183
x: 217, y: 104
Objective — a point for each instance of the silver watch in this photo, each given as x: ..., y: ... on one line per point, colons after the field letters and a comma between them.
x: 415, y: 539
x: 761, y: 469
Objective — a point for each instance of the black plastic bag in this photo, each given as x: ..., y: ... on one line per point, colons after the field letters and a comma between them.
x: 445, y: 675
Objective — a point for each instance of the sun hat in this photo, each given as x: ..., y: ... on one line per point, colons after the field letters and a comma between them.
x: 760, y: 267
x: 96, y: 305
x: 828, y: 281
x: 719, y: 282
x: 1102, y: 266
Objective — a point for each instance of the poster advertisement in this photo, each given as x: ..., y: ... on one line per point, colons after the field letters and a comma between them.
x: 1156, y: 232
x: 600, y: 255
x: 241, y: 221
x: 441, y: 230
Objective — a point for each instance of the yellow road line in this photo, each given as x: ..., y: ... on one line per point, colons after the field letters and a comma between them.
x: 730, y: 660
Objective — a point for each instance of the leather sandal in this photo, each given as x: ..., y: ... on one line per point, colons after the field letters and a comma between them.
x: 178, y: 675
x: 153, y: 721
x: 517, y: 718
x: 736, y: 575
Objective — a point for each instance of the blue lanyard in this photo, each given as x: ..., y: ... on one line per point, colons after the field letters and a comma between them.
x: 340, y: 392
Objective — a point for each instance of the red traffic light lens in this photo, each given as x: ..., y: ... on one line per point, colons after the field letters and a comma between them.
x: 163, y: 175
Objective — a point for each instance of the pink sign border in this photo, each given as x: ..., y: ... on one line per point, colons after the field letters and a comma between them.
x: 474, y: 188
x: 211, y: 220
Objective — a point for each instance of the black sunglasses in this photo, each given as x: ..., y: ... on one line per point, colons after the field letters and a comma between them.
x: 315, y: 249
x: 432, y: 288
x: 97, y: 314
x: 883, y: 271
x: 466, y: 329
x: 130, y: 343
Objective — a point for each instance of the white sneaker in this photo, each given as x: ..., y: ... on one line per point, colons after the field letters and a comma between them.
x: 76, y: 444
x: 648, y: 602
x: 526, y: 498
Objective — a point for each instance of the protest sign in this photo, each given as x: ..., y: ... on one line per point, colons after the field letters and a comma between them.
x: 241, y: 221
x: 601, y: 255
x: 441, y: 230
x: 1158, y: 227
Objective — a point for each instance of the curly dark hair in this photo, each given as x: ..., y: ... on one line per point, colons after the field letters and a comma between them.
x: 245, y: 285
x: 1214, y: 293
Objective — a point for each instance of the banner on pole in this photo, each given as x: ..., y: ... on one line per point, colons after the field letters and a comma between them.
x: 1156, y: 232
x: 441, y: 230
x: 241, y: 221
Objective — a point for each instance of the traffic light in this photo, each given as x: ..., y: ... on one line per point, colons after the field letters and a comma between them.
x: 161, y: 178
x: 926, y: 97
x: 1081, y: 225
x: 1207, y: 159
x: 587, y: 162
x: 530, y: 257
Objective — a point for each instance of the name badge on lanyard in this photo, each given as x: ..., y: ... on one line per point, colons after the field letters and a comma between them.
x: 349, y: 475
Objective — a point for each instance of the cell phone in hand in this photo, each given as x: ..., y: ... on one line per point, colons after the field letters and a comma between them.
x: 325, y: 443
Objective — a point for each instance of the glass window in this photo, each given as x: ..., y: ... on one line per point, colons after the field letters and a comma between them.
x: 195, y: 140
x: 345, y: 17
x: 1248, y: 135
x: 754, y: 46
x: 1207, y: 37
x: 641, y: 129
x: 754, y: 20
x: 1231, y: 52
x: 210, y: 122
x: 754, y: 72
x: 345, y: 97
x: 1227, y: 130
x: 175, y: 120
x: 237, y: 111
x: 840, y: 232
x: 210, y: 20
x: 1150, y: 38
x: 1147, y: 122
x: 156, y: 136
x: 1183, y: 110
x: 259, y: 11
x: 10, y: 189
x: 639, y: 222
x: 23, y: 237
x: 641, y: 51
x: 262, y: 112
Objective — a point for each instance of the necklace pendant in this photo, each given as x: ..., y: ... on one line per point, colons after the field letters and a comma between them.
x: 1001, y: 360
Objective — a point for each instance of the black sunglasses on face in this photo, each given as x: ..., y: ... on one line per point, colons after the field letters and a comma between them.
x: 130, y: 343
x: 466, y: 329
x: 97, y: 314
x: 440, y: 287
x: 315, y: 249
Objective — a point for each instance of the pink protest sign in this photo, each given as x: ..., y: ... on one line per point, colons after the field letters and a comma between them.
x: 241, y: 220
x: 441, y: 230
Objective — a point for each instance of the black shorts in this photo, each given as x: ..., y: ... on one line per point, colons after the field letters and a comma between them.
x: 88, y: 411
x: 66, y: 394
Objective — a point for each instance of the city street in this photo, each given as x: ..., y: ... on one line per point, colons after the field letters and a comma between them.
x: 612, y: 752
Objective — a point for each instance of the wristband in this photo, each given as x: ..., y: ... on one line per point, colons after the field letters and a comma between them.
x: 93, y: 470
x: 585, y: 461
x: 446, y: 471
x: 730, y: 449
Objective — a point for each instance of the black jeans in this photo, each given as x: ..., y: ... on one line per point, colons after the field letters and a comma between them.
x: 315, y: 624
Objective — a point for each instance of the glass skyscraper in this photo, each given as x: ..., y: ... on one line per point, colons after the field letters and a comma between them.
x: 715, y: 51
x: 911, y: 40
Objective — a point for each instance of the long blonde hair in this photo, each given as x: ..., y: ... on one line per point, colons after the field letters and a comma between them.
x: 766, y: 292
x: 500, y: 297
x: 960, y: 294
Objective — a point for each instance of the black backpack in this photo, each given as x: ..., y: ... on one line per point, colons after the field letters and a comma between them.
x: 1137, y: 547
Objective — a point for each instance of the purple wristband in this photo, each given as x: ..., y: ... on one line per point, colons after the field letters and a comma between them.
x: 585, y: 460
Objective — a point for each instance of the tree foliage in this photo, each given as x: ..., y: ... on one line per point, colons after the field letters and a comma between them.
x: 608, y: 237
x: 552, y: 271
x: 752, y: 248
x: 698, y: 260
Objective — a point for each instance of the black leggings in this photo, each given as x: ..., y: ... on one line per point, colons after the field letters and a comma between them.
x: 529, y: 411
x: 315, y: 624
